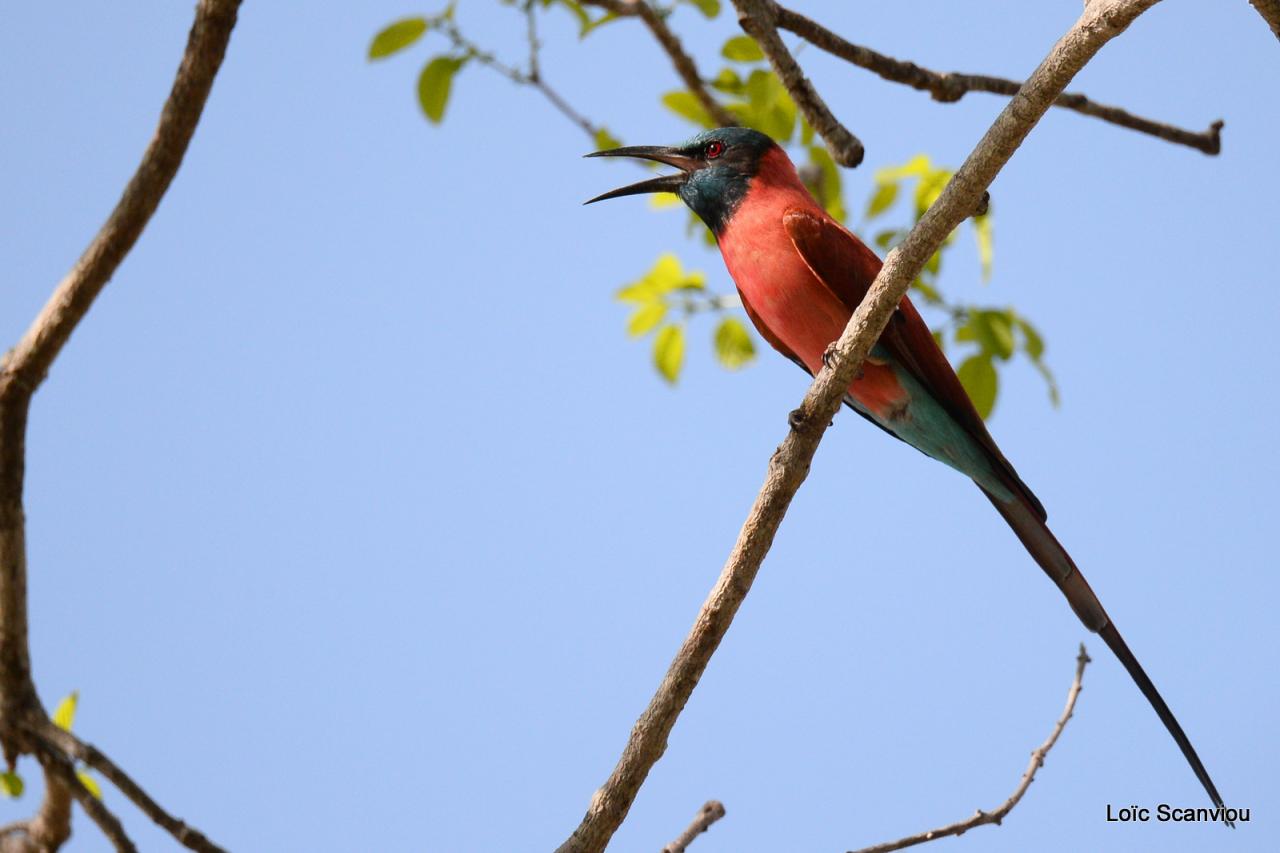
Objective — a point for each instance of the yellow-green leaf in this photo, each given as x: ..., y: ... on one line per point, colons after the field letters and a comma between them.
x: 882, y: 199
x: 929, y: 188
x: 978, y: 376
x: 662, y: 201
x: 709, y: 8
x: 668, y: 352
x: 65, y: 714
x: 396, y: 37
x: 646, y: 318
x: 1032, y: 343
x: 728, y: 81
x: 733, y: 343
x: 685, y: 105
x: 91, y: 785
x: 916, y: 166
x: 742, y: 49
x: 606, y: 140
x: 982, y: 232
x: 11, y: 784
x: 434, y: 84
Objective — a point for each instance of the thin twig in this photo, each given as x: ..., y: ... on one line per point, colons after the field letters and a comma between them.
x: 982, y: 818
x: 952, y: 86
x: 68, y: 743
x: 1270, y: 12
x: 532, y: 77
x: 1102, y: 20
x: 758, y: 19
x: 711, y: 811
x: 670, y: 42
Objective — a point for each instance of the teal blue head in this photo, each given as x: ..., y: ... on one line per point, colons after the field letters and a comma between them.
x: 716, y: 169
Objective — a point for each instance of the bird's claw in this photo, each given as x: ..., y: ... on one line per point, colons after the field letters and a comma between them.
x: 829, y: 355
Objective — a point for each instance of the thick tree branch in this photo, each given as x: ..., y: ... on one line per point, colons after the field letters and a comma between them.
x: 953, y: 86
x: 1270, y: 12
x: 49, y: 828
x: 1102, y: 21
x: 758, y: 19
x: 683, y: 63
x: 711, y: 811
x: 72, y: 746
x: 1028, y: 776
x: 24, y: 367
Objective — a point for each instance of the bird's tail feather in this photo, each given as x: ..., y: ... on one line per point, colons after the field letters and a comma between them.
x: 1061, y: 569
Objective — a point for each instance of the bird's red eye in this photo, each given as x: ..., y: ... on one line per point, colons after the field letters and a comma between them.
x: 714, y: 149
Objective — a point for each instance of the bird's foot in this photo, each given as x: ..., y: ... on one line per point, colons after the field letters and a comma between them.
x: 829, y: 354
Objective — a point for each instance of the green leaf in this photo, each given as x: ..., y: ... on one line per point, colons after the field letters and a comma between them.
x: 982, y: 232
x: 742, y: 49
x: 830, y: 189
x: 606, y: 18
x: 91, y: 785
x: 663, y: 277
x: 733, y: 343
x: 978, y: 376
x: 65, y: 714
x: 728, y: 81
x: 882, y: 199
x: 606, y: 140
x: 887, y: 238
x: 579, y: 14
x: 927, y: 291
x: 434, y: 84
x: 929, y: 188
x: 709, y: 8
x: 668, y: 352
x: 396, y: 37
x: 913, y: 168
x: 994, y: 332
x: 646, y: 318
x: 11, y: 784
x: 1032, y: 343
x: 685, y: 105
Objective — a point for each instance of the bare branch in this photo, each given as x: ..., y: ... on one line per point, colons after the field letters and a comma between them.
x: 49, y: 829
x: 1102, y: 21
x: 683, y: 63
x: 22, y: 370
x: 1270, y: 12
x: 982, y: 818
x: 711, y: 811
x: 56, y: 764
x: 758, y: 19
x: 68, y: 743
x: 952, y: 86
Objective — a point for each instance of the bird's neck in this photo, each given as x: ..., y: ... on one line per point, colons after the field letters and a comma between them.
x: 776, y: 187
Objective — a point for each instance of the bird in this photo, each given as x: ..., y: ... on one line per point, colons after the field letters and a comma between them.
x: 800, y: 275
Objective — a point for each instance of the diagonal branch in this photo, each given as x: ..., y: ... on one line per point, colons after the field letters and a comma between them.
x: 1270, y: 12
x: 1028, y: 776
x: 68, y: 743
x: 952, y: 86
x: 1102, y: 21
x: 58, y: 766
x: 711, y: 811
x: 683, y: 63
x: 758, y: 19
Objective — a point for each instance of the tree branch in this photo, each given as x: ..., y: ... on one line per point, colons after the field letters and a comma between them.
x: 1270, y: 12
x: 56, y: 764
x: 711, y: 811
x: 1102, y: 21
x: 23, y: 369
x: 1028, y: 776
x: 758, y: 19
x: 683, y: 63
x: 953, y: 86
x: 66, y: 742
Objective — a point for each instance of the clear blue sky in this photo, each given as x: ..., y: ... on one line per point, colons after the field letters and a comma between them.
x: 359, y: 523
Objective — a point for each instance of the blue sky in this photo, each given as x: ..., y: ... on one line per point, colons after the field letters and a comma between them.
x: 358, y: 522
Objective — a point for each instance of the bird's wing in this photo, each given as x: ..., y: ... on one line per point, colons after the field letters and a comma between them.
x: 847, y: 268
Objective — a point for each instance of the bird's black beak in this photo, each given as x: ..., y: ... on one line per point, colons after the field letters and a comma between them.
x: 662, y: 184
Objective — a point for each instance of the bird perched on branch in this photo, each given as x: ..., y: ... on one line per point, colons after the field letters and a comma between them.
x: 801, y: 274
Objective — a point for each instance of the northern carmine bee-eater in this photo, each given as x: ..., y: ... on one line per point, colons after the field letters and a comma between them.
x: 801, y: 274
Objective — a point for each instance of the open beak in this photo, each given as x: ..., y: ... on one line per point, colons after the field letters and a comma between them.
x: 661, y: 184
